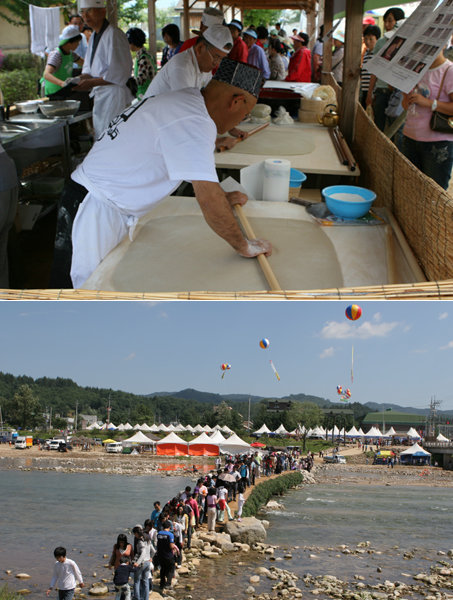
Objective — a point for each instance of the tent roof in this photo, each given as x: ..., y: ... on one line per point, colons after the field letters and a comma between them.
x: 374, y: 432
x: 235, y: 440
x: 203, y: 438
x: 442, y: 438
x: 171, y: 438
x: 281, y: 429
x: 352, y: 432
x: 391, y: 431
x: 127, y: 427
x: 139, y: 438
x: 263, y: 429
x: 413, y: 433
x: 217, y: 438
x: 416, y: 450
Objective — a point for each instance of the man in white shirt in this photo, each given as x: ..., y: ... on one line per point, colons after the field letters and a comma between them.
x: 107, y: 66
x: 193, y: 68
x: 147, y: 152
x: 66, y: 575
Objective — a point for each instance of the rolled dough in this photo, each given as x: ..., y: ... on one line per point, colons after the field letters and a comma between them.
x: 275, y: 142
x: 181, y: 253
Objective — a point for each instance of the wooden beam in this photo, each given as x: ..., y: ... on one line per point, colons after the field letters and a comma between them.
x: 186, y: 28
x: 327, y: 46
x: 351, y: 67
x: 311, y: 28
x: 152, y: 36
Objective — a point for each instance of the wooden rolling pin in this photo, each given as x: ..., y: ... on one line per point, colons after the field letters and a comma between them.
x: 262, y: 259
x: 237, y: 140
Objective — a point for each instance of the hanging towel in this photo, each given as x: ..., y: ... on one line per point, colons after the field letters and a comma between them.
x: 45, y: 29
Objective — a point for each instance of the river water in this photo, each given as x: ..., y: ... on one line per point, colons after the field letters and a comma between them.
x: 85, y: 513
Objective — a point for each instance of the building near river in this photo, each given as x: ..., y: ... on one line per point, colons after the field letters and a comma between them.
x: 400, y: 421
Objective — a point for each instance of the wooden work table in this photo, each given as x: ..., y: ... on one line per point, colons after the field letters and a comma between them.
x: 322, y: 160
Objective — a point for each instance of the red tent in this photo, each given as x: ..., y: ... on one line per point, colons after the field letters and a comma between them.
x: 203, y: 446
x: 172, y: 445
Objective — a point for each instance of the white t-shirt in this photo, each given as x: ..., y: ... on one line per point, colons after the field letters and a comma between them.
x: 182, y: 71
x: 149, y: 149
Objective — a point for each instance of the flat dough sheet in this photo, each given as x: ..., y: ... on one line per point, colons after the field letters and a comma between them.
x: 181, y: 253
x: 278, y: 142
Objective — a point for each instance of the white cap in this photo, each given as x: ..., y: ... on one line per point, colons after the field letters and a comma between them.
x: 219, y: 36
x: 209, y: 20
x: 90, y: 4
x: 69, y: 32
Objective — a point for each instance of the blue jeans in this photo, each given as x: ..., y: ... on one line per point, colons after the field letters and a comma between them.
x: 141, y: 582
x: 434, y: 159
x: 65, y: 594
x: 123, y: 589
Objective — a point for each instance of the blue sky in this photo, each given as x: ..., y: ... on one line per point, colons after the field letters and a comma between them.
x: 403, y: 351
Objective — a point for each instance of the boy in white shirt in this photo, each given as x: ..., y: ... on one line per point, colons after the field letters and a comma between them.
x: 66, y: 575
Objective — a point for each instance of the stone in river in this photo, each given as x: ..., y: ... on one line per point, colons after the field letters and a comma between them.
x: 254, y: 579
x: 23, y: 592
x: 99, y: 590
x: 23, y: 576
x: 248, y: 531
x: 8, y: 571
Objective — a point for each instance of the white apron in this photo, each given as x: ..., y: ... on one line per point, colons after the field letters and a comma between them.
x: 113, y: 62
x: 99, y: 226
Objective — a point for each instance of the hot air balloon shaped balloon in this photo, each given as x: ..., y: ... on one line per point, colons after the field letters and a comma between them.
x: 339, y: 389
x: 264, y: 343
x: 353, y: 312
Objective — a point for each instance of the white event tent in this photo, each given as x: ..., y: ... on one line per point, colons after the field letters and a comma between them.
x: 374, y: 432
x: 442, y: 438
x: 203, y: 445
x: 138, y: 439
x: 234, y: 445
x: 127, y: 427
x: 217, y: 438
x: 281, y: 430
x: 262, y: 430
x: 412, y: 433
x: 390, y: 432
x: 172, y: 445
x: 352, y: 432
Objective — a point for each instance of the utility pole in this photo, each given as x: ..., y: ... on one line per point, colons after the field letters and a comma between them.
x: 108, y: 413
x: 431, y: 420
x: 76, y: 415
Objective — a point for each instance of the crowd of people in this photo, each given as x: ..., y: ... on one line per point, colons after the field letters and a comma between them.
x: 159, y: 544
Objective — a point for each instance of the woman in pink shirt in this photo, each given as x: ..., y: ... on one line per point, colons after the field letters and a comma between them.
x: 430, y: 151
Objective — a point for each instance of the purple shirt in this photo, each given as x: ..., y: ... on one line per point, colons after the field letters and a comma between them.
x: 257, y: 57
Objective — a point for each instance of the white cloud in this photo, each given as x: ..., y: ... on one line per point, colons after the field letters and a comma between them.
x: 443, y: 316
x: 448, y: 346
x: 131, y: 356
x: 377, y: 317
x: 334, y: 330
x: 327, y: 352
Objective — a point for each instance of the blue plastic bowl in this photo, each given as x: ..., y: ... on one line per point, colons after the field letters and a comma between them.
x: 348, y: 209
x: 296, y: 178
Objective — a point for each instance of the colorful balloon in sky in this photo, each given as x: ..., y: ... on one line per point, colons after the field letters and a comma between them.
x: 264, y: 343
x: 353, y: 312
x: 339, y: 389
x: 225, y: 367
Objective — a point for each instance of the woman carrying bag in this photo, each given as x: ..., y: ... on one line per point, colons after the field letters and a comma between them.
x: 426, y: 143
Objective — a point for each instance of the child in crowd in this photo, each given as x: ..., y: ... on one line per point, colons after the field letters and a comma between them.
x: 121, y: 579
x: 66, y: 575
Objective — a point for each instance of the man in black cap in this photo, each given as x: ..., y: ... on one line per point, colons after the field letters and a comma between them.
x: 148, y: 150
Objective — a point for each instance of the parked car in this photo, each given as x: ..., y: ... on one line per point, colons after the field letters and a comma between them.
x: 55, y: 444
x: 335, y: 459
x: 114, y: 447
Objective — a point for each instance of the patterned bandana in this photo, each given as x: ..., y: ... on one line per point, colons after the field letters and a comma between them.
x: 241, y: 75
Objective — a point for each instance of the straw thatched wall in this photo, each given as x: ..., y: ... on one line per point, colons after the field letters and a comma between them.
x: 422, y: 208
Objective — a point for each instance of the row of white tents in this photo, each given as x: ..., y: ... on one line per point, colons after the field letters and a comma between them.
x: 202, y: 445
x: 158, y: 428
x: 316, y: 432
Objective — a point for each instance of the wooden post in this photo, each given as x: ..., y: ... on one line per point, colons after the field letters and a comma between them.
x: 112, y: 12
x: 152, y: 35
x: 311, y: 28
x: 351, y: 67
x: 186, y: 30
x: 327, y: 46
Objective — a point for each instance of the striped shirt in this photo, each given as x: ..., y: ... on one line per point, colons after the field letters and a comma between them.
x: 365, y: 75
